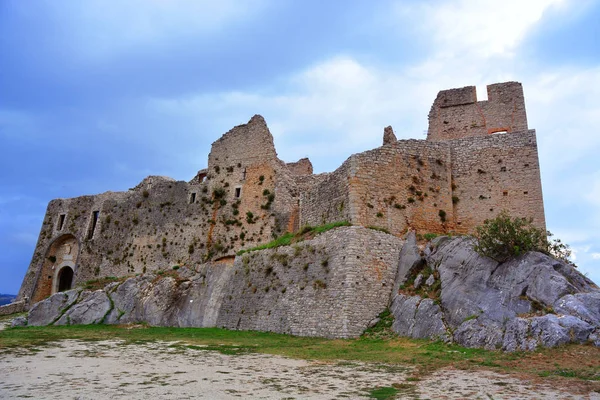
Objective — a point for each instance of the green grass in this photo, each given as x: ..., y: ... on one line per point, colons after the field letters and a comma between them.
x: 305, y: 233
x: 383, y: 393
x: 425, y: 356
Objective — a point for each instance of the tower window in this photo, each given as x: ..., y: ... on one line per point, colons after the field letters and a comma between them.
x: 93, y: 224
x: 192, y: 198
x: 61, y: 221
x: 238, y: 192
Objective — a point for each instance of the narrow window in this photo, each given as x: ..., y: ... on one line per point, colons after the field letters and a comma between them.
x: 505, y: 193
x: 95, y: 215
x: 192, y: 198
x: 238, y: 192
x: 61, y: 221
x: 244, y: 174
x: 526, y: 192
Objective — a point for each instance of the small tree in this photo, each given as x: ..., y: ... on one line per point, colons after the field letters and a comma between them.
x: 504, y: 237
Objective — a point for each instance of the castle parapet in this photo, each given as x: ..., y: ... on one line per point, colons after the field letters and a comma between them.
x: 457, y: 114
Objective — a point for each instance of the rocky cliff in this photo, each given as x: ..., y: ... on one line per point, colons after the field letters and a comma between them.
x: 449, y: 292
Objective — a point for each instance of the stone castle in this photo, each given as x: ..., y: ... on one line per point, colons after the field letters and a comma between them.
x: 479, y: 158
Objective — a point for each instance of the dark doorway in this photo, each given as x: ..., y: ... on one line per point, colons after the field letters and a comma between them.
x: 65, y: 279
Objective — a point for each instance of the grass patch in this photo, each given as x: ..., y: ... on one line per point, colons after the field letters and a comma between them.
x: 383, y: 393
x: 100, y: 283
x: 559, y: 363
x: 308, y: 232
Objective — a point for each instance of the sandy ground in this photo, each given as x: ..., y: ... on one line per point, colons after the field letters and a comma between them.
x: 73, y: 369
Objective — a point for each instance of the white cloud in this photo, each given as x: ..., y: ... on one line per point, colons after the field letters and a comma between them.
x: 596, y: 256
x: 476, y: 28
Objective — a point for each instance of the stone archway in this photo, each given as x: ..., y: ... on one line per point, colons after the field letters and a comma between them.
x: 64, y: 279
x: 62, y: 252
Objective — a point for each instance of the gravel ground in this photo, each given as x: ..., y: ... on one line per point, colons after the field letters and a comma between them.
x: 72, y: 369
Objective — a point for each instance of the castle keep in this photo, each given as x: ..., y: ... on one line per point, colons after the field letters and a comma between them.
x: 479, y: 158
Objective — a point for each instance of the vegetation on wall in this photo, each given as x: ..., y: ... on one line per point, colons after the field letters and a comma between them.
x: 308, y: 232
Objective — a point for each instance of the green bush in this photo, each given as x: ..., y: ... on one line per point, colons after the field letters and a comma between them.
x: 505, y: 237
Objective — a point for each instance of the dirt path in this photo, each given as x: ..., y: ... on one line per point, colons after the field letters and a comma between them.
x: 90, y: 370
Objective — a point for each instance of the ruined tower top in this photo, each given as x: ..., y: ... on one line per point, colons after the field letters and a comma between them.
x: 456, y: 113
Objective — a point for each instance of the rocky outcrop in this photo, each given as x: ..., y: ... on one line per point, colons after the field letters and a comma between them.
x: 389, y: 136
x: 520, y: 304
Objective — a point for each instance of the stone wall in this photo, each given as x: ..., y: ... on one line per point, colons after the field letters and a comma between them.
x: 402, y: 185
x: 330, y: 286
x: 300, y: 167
x: 494, y: 173
x: 13, y: 308
x: 244, y: 198
x: 328, y: 199
x: 456, y: 113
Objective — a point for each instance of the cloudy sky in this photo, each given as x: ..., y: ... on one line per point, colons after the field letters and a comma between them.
x: 97, y: 94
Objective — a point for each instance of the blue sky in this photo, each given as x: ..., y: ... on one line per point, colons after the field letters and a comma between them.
x: 96, y: 94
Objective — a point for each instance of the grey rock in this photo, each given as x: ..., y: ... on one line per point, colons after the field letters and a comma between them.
x: 19, y: 322
x: 481, y: 333
x: 410, y: 259
x: 418, y: 281
x: 418, y: 318
x: 91, y: 307
x: 430, y: 281
x: 47, y: 311
x: 516, y: 336
x: 585, y: 306
x: 429, y: 323
x: 373, y: 322
x: 404, y: 309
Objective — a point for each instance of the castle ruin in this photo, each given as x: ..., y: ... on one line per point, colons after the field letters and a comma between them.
x: 479, y: 158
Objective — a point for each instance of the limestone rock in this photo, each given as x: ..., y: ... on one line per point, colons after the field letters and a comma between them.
x: 529, y: 301
x: 90, y: 308
x: 19, y: 322
x: 47, y: 311
x: 388, y: 135
x: 430, y: 281
x: 410, y: 259
x: 418, y: 318
x: 418, y: 281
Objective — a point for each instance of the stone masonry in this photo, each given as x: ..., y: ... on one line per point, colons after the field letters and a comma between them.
x: 479, y: 159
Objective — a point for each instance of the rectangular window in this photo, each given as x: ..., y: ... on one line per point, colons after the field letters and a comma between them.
x: 61, y: 221
x: 93, y: 224
x: 238, y: 192
x: 192, y: 198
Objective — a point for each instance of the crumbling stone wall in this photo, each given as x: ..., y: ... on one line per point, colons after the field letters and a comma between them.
x: 301, y: 167
x: 456, y: 113
x: 244, y: 198
x: 494, y: 173
x: 330, y: 286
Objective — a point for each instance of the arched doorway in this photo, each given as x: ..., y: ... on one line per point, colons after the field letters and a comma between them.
x: 65, y: 279
x: 62, y: 252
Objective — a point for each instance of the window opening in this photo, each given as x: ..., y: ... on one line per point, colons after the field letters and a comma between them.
x: 93, y: 224
x: 192, y: 198
x: 244, y: 174
x: 61, y: 221
x: 238, y: 192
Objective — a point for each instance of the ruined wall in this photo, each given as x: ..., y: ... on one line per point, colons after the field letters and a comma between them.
x: 243, y: 199
x: 328, y: 199
x: 300, y: 167
x: 495, y: 173
x: 331, y: 286
x: 456, y: 113
x: 402, y: 185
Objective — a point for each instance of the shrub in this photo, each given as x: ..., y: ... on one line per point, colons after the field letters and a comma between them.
x: 505, y: 237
